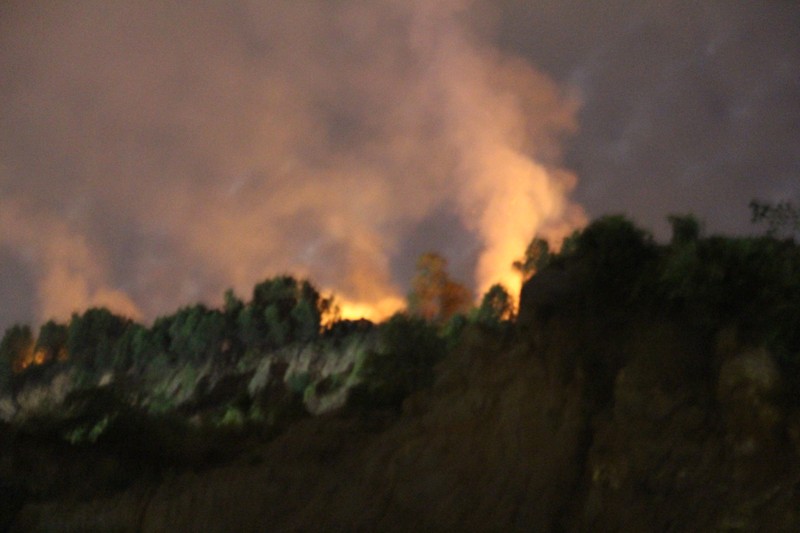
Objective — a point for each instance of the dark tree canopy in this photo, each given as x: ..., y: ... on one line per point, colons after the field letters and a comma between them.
x: 496, y: 306
x: 17, y: 348
x: 52, y: 341
x: 685, y: 229
x: 91, y: 337
x: 781, y: 218
x: 537, y: 257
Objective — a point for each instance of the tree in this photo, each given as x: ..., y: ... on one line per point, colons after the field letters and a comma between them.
x: 233, y: 304
x: 496, y: 306
x: 91, y: 337
x: 16, y: 348
x: 782, y: 217
x: 612, y: 256
x: 283, y: 310
x: 306, y: 321
x: 434, y: 296
x: 196, y: 333
x: 5, y: 375
x: 409, y: 348
x: 277, y: 327
x: 52, y: 341
x: 537, y: 256
x: 685, y: 229
x: 125, y: 354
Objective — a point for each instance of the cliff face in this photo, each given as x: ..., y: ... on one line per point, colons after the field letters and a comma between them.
x: 618, y: 423
x: 496, y: 444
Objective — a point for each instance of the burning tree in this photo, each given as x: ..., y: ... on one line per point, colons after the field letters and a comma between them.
x: 434, y: 296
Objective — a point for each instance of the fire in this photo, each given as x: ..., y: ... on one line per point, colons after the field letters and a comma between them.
x: 378, y: 311
x: 516, y: 198
x: 28, y: 358
x: 329, y: 176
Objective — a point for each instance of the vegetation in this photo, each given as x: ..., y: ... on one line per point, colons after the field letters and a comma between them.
x: 537, y: 257
x: 748, y: 285
x: 434, y: 295
x: 408, y: 349
x: 169, y: 395
x: 782, y: 218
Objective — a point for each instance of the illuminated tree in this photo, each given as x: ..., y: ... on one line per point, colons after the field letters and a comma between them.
x: 282, y: 310
x: 434, y: 296
x: 52, y: 341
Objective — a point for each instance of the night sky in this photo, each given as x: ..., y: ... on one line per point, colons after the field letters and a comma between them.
x: 153, y: 154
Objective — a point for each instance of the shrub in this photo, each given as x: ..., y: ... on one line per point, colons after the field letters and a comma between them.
x: 611, y: 257
x: 408, y: 349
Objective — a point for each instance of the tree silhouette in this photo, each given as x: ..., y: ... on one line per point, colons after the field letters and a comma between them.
x: 496, y: 306
x: 782, y: 217
x: 16, y: 348
x: 537, y: 256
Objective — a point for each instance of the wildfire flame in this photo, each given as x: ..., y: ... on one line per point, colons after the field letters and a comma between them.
x: 28, y: 358
x: 376, y: 312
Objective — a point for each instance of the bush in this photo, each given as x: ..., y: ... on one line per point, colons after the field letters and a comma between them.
x: 92, y: 336
x: 403, y: 363
x: 496, y: 307
x: 611, y: 257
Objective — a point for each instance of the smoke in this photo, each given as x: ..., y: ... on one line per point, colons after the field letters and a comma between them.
x: 70, y: 275
x: 686, y: 106
x: 155, y: 154
x: 495, y: 109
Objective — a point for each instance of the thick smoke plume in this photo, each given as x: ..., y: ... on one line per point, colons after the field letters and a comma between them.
x: 156, y: 153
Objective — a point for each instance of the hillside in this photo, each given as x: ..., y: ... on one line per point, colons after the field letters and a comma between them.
x: 642, y: 387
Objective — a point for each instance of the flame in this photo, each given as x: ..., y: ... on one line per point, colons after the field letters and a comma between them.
x: 28, y: 358
x: 524, y: 200
x: 376, y: 312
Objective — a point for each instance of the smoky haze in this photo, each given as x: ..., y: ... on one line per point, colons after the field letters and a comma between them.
x: 153, y: 154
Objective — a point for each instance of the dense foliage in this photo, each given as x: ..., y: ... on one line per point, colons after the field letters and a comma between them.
x: 282, y: 311
x: 409, y: 347
x: 750, y: 285
x: 153, y: 398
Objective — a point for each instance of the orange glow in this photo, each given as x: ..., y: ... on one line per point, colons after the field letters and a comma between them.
x: 376, y: 312
x: 519, y: 199
x: 327, y: 176
x: 28, y: 358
